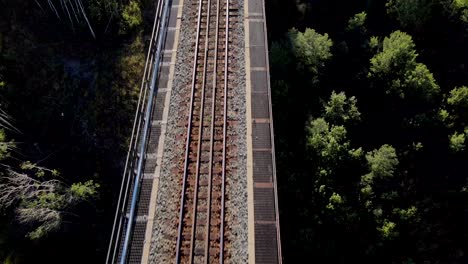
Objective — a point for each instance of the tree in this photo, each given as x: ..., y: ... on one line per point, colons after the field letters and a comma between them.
x: 328, y: 141
x: 5, y: 146
x: 412, y: 14
x: 398, y: 55
x: 373, y: 191
x: 461, y: 7
x: 395, y: 66
x: 457, y: 9
x: 388, y: 230
x: 37, y: 195
x: 458, y: 98
x: 356, y: 23
x: 131, y: 16
x: 311, y: 48
x: 454, y: 113
x: 39, y: 198
x: 382, y: 162
x: 457, y: 142
x: 341, y: 109
x: 379, y: 196
x: 420, y: 83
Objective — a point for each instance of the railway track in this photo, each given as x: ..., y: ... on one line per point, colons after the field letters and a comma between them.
x: 201, y: 225
x: 202, y: 212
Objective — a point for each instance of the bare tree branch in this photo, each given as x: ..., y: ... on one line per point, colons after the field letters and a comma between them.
x: 69, y: 15
x: 86, y: 18
x: 53, y: 9
x: 15, y: 186
x: 74, y: 11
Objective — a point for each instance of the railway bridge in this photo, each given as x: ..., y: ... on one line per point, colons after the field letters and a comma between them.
x: 199, y: 184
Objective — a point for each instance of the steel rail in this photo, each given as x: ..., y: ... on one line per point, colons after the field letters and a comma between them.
x: 146, y: 120
x: 213, y: 108
x: 223, y: 187
x: 200, y: 134
x: 135, y: 130
x: 189, y: 129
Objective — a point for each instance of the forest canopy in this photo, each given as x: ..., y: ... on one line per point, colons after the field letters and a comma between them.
x: 370, y: 105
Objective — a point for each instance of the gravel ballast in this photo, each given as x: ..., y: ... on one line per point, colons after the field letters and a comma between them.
x: 163, y: 242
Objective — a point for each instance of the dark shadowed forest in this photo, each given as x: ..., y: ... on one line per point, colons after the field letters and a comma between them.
x: 70, y: 73
x: 371, y: 126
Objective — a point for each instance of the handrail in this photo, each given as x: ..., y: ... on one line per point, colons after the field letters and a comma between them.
x: 128, y: 175
x: 135, y: 131
x: 141, y: 157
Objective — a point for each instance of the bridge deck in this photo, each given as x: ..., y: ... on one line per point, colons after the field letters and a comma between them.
x: 264, y: 229
x: 262, y: 223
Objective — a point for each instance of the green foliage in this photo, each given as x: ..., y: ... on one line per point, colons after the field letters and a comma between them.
x: 458, y: 98
x: 397, y: 56
x: 334, y: 201
x: 311, y: 48
x: 460, y: 3
x: 356, y: 153
x: 374, y: 43
x: 444, y: 115
x: 396, y: 65
x: 457, y: 142
x: 27, y: 165
x: 84, y: 191
x: 359, y: 200
x: 357, y: 22
x: 339, y: 108
x: 38, y: 199
x: 38, y: 170
x: 412, y: 14
x: 409, y: 214
x: 49, y: 199
x: 455, y: 112
x: 388, y: 230
x: 417, y: 146
x: 4, y: 149
x: 367, y: 181
x: 382, y: 162
x: 42, y: 231
x: 328, y: 141
x: 419, y: 82
x: 131, y: 16
x: 457, y: 9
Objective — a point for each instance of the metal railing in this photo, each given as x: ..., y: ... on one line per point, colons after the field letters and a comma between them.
x: 123, y: 223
